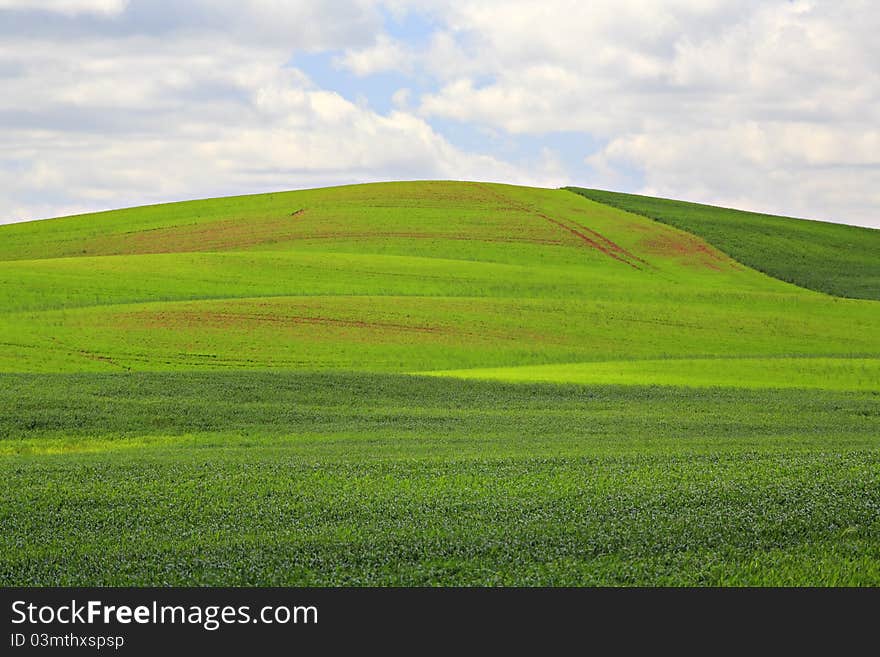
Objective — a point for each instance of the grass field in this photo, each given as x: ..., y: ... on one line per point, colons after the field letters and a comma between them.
x: 351, y: 479
x: 428, y: 383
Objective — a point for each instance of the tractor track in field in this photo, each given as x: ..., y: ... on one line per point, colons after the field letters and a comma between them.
x: 600, y: 243
x: 588, y: 236
x: 228, y: 319
x: 85, y: 353
x: 176, y: 320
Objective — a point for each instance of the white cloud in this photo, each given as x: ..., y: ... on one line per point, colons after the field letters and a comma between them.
x: 110, y: 120
x: 766, y: 105
x: 704, y: 98
x: 751, y: 165
x: 384, y: 55
x: 71, y: 7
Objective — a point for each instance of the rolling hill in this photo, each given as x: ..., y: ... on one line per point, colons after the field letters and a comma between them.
x: 438, y: 383
x: 405, y: 277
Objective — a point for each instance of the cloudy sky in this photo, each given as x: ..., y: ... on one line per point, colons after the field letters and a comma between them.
x: 770, y: 105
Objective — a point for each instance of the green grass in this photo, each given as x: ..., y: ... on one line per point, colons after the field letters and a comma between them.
x: 355, y: 479
x: 410, y: 333
x: 831, y: 258
x: 254, y: 391
x: 821, y: 373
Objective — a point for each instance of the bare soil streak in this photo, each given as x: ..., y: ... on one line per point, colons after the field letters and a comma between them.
x: 226, y: 319
x: 597, y: 241
x: 91, y: 355
x: 436, y: 236
x: 692, y: 251
x: 227, y: 233
x: 603, y: 244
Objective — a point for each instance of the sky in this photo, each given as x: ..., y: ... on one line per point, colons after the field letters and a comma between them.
x: 766, y: 105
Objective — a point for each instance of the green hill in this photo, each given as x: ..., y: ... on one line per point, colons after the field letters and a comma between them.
x: 831, y: 258
x: 434, y: 383
x: 404, y: 277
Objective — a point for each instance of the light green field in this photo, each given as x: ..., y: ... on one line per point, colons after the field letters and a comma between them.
x: 819, y: 373
x: 283, y: 389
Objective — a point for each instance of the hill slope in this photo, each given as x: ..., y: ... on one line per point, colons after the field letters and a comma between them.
x: 404, y: 277
x: 832, y: 258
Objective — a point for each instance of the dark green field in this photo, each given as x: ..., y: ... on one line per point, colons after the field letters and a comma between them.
x: 438, y: 383
x: 295, y: 479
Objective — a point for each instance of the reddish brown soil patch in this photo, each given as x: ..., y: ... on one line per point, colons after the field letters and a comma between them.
x: 224, y: 320
x: 322, y: 323
x: 686, y: 249
x: 214, y: 235
x: 244, y: 233
x: 344, y: 235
